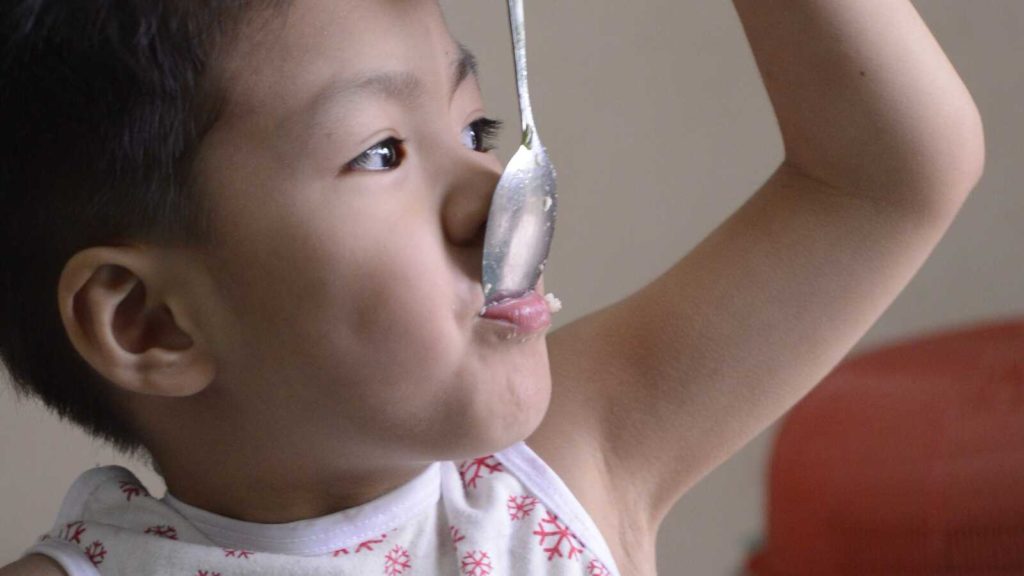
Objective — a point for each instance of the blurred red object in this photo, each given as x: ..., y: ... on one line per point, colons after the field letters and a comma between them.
x: 908, y: 459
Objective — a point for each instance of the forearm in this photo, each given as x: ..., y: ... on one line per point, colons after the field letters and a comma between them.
x: 865, y: 98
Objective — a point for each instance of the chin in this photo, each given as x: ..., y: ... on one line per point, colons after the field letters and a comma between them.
x: 518, y: 421
x: 486, y: 413
x: 492, y: 433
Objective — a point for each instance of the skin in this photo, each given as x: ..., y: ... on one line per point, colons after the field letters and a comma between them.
x: 327, y: 348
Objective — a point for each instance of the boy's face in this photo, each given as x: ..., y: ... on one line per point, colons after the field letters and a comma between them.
x: 348, y: 297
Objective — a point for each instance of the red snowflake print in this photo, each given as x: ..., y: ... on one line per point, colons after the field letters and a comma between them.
x: 163, y: 530
x: 232, y: 553
x: 561, y: 534
x: 72, y: 532
x: 366, y: 545
x: 206, y: 573
x: 397, y: 561
x: 456, y: 536
x: 596, y: 568
x: 472, y: 470
x: 96, y: 552
x: 131, y: 489
x: 519, y: 507
x: 476, y: 563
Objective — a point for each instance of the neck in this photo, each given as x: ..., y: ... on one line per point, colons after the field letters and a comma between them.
x: 254, y: 473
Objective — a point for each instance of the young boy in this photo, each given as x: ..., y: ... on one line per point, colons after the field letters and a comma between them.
x: 263, y: 221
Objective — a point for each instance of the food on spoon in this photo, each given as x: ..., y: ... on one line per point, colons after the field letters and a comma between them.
x: 554, y: 304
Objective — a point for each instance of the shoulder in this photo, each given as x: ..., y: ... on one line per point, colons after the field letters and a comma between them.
x: 33, y: 565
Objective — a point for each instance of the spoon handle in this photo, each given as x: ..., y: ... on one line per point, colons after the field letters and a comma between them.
x: 517, y: 22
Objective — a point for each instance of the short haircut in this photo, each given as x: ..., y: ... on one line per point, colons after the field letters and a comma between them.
x: 103, y: 104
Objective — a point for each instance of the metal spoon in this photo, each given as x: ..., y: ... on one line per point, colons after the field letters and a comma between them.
x: 521, y: 221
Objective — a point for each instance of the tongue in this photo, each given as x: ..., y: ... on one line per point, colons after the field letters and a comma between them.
x: 529, y: 312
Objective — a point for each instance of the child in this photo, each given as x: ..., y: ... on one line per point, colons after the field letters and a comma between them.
x: 263, y: 225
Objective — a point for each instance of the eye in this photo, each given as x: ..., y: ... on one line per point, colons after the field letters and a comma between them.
x: 384, y: 155
x: 481, y: 134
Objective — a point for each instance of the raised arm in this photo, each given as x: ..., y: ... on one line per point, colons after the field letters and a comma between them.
x: 866, y: 100
x: 883, y: 145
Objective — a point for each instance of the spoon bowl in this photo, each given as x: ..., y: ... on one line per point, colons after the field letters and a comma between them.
x: 521, y: 221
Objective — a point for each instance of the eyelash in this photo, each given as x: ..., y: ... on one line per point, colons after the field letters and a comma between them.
x: 485, y: 129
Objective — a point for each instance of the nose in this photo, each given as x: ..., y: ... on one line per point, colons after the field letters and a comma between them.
x: 470, y: 186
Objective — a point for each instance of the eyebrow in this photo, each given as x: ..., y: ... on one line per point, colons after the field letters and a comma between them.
x: 401, y: 86
x: 465, y: 65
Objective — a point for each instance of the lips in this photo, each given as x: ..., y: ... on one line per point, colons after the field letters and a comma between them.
x: 529, y: 313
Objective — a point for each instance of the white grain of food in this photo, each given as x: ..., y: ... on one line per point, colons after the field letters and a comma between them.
x: 554, y: 304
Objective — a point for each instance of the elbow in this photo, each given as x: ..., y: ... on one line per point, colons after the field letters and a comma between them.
x: 950, y: 167
x: 968, y: 165
x: 922, y: 166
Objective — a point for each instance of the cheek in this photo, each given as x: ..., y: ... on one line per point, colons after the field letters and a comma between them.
x: 375, y: 300
x: 404, y: 322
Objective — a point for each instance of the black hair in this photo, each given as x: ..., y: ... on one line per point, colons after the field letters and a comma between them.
x: 103, y: 104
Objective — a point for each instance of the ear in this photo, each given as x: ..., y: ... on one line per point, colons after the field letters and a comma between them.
x: 130, y: 320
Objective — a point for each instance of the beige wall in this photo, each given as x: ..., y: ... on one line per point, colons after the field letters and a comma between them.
x: 656, y: 118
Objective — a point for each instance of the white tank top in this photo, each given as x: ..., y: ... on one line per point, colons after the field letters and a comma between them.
x: 507, y: 513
